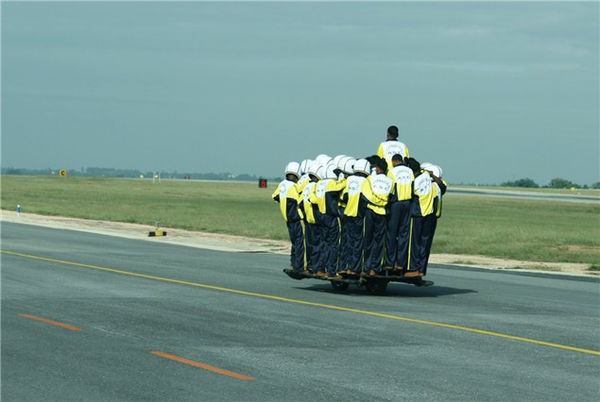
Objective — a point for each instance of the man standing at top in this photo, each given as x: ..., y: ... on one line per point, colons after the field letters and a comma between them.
x: 392, y: 146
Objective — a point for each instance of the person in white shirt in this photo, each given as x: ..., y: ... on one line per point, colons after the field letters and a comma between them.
x: 391, y: 146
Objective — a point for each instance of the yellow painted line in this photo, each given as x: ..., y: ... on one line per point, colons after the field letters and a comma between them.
x: 308, y: 303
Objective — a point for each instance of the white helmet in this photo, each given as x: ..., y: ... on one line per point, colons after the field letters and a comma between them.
x: 319, y: 172
x: 293, y: 168
x: 427, y: 166
x: 304, y: 166
x: 348, y: 167
x: 337, y: 159
x: 342, y: 161
x: 362, y: 166
x: 436, y: 170
x: 323, y: 159
x: 312, y: 167
x: 329, y: 171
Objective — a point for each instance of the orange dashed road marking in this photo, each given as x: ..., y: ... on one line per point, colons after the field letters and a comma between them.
x: 203, y: 366
x: 58, y: 324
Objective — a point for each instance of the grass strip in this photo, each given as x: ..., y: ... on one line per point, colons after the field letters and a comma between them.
x: 522, y: 229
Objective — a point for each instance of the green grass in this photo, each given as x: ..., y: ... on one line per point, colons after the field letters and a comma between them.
x: 531, y: 230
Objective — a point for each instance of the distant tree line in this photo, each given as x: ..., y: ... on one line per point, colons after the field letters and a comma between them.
x: 130, y: 173
x: 554, y: 183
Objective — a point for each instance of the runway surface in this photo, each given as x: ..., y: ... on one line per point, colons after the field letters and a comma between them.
x: 590, y: 199
x: 95, y: 318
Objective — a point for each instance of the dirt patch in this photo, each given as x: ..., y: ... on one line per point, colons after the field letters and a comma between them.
x: 579, y: 249
x: 500, y: 263
x: 242, y: 244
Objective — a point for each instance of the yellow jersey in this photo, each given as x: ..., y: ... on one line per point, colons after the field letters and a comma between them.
x: 403, y: 177
x: 376, y: 189
x: 389, y: 148
x: 352, y: 190
x: 288, y: 197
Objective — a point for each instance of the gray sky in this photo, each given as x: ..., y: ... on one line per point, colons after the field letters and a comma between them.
x: 489, y: 91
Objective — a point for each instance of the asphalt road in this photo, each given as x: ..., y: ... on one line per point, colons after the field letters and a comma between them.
x: 279, y: 339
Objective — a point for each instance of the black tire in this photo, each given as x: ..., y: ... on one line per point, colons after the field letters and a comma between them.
x: 339, y: 286
x: 376, y: 287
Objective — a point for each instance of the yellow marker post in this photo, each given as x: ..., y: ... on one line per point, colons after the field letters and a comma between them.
x: 157, y: 232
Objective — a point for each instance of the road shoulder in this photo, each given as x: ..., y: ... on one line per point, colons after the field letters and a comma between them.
x: 223, y: 242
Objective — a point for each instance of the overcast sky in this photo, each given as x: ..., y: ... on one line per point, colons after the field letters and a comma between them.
x: 489, y: 91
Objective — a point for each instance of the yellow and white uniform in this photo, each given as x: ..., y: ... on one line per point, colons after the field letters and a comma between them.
x: 307, y: 206
x: 425, y: 193
x: 389, y: 148
x: 398, y: 221
x: 403, y: 177
x: 323, y: 195
x: 353, y: 190
x: 376, y: 189
x: 288, y: 197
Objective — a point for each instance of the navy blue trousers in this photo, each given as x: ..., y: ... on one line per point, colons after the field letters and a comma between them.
x: 374, y: 240
x: 352, y: 249
x: 397, y: 235
x: 342, y: 254
x: 431, y: 225
x: 297, y: 239
x: 329, y: 234
x: 313, y: 246
x: 421, y: 239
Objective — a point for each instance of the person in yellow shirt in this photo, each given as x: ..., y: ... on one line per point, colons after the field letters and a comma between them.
x: 345, y: 170
x: 376, y: 190
x: 398, y: 218
x: 326, y: 196
x: 288, y: 197
x: 426, y: 189
x: 312, y: 232
x: 431, y: 222
x: 351, y: 247
x: 391, y: 146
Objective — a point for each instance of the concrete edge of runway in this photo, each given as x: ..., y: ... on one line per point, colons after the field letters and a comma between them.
x: 523, y: 272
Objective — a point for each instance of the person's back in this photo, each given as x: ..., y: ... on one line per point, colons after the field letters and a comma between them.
x: 327, y: 196
x: 425, y: 193
x: 403, y: 177
x: 430, y: 221
x: 398, y: 218
x: 353, y: 218
x: 422, y: 212
x: 392, y: 146
x: 376, y: 190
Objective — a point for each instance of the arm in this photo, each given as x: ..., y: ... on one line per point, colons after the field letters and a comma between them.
x: 442, y: 184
